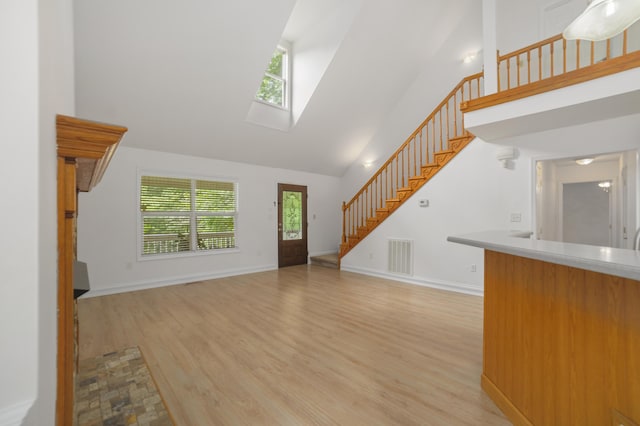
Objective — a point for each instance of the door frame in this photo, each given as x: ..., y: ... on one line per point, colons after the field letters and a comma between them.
x: 305, y: 223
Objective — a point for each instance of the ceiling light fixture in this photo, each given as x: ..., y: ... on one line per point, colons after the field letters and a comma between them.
x: 605, y: 185
x: 469, y: 58
x: 584, y: 161
x: 603, y: 19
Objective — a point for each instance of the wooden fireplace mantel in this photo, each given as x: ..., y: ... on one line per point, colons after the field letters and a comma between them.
x: 84, y: 149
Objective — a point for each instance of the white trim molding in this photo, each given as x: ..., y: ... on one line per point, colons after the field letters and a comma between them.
x: 432, y: 283
x: 13, y: 415
x: 185, y: 279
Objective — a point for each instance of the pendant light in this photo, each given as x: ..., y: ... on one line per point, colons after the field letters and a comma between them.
x: 603, y: 19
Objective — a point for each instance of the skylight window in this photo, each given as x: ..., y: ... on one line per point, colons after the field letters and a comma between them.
x: 274, y: 89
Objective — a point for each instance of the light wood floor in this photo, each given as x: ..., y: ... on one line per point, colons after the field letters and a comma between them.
x: 302, y: 345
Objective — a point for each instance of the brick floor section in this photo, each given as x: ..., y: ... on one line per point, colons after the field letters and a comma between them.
x: 116, y: 389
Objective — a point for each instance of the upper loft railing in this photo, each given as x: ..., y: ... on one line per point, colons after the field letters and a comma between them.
x: 556, y: 62
x: 547, y: 65
x: 445, y: 123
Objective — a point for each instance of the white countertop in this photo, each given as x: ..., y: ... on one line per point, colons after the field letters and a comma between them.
x: 613, y: 261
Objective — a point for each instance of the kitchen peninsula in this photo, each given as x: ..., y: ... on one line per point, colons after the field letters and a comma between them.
x: 561, y: 330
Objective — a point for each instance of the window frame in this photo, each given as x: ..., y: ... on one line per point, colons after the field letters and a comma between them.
x: 193, y: 214
x: 285, y: 79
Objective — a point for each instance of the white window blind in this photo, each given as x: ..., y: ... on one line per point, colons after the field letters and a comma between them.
x: 186, y: 215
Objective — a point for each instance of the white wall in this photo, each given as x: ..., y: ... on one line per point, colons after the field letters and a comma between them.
x: 472, y: 193
x: 436, y: 79
x: 524, y: 22
x: 107, y: 223
x: 35, y: 82
x: 20, y: 187
x: 57, y: 91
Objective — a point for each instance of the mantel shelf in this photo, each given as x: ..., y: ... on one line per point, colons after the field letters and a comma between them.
x: 91, y: 143
x: 84, y: 149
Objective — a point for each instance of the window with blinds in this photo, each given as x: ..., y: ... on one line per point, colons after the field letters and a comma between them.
x: 186, y: 215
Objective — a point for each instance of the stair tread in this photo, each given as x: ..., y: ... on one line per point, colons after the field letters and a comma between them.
x: 439, y: 160
x: 461, y: 137
x: 327, y: 260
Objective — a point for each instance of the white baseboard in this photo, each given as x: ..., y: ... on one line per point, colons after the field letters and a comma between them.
x: 439, y: 284
x: 15, y: 414
x: 146, y: 285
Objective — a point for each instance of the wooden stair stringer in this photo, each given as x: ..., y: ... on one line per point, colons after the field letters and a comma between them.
x: 415, y: 183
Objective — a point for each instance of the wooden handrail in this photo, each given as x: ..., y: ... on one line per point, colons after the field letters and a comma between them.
x: 432, y: 136
x: 537, y: 68
x: 529, y: 48
x: 385, y: 189
x: 421, y: 127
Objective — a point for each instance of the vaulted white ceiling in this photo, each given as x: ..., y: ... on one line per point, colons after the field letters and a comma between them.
x: 181, y: 75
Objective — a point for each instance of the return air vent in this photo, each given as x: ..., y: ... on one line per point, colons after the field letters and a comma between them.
x: 401, y: 256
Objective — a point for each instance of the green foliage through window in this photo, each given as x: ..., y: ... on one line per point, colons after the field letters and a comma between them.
x: 171, y: 208
x: 273, y: 88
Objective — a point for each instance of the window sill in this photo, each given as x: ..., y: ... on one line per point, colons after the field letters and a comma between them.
x: 186, y: 254
x: 269, y: 115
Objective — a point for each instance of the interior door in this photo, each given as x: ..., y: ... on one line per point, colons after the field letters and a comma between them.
x: 292, y: 225
x: 586, y: 214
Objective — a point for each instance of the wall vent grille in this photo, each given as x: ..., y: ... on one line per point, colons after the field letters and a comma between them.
x: 401, y: 257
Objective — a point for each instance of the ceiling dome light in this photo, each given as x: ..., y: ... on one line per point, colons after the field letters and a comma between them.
x: 603, y: 19
x: 585, y: 161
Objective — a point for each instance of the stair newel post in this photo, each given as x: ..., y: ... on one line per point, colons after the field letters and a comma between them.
x: 397, y: 177
x: 383, y: 188
x: 344, y: 222
x: 419, y: 164
x: 415, y: 153
x: 461, y: 113
x: 441, y: 132
x: 433, y: 139
x: 372, y: 198
x: 447, y: 123
x: 539, y: 64
x: 455, y: 114
x: 357, y: 214
x: 401, y: 157
x: 365, y: 214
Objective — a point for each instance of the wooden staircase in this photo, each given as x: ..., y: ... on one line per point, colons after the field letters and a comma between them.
x: 537, y: 68
x: 403, y: 194
x: 438, y: 139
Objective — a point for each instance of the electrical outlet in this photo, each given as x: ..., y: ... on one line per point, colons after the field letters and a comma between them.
x: 473, y: 268
x: 516, y: 217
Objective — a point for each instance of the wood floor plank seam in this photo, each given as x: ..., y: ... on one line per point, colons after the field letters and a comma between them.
x: 302, y: 345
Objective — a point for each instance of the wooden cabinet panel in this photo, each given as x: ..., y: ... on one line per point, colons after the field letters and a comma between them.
x: 561, y: 344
